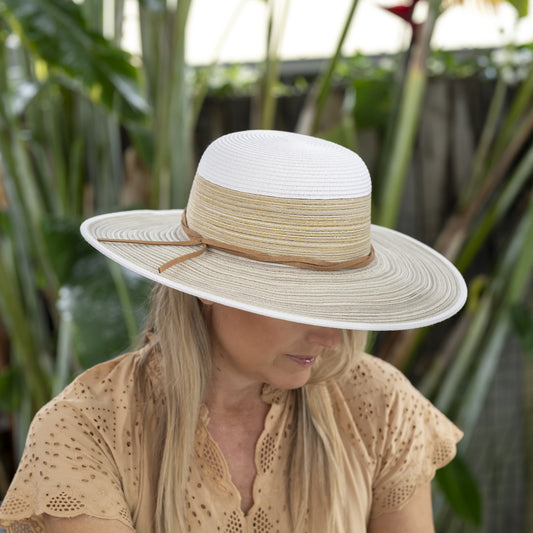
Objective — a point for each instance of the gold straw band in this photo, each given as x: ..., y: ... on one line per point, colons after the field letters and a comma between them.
x: 334, y: 230
x: 197, y: 240
x: 313, y: 234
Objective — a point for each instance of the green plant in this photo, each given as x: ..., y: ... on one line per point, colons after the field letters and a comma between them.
x: 60, y: 116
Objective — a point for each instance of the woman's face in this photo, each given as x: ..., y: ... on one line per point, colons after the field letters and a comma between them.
x: 252, y: 348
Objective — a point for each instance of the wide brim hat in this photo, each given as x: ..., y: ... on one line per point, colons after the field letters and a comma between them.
x: 278, y: 224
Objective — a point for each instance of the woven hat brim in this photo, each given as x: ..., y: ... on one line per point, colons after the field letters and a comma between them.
x: 408, y: 285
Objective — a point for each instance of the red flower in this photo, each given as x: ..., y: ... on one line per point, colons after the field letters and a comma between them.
x: 405, y: 12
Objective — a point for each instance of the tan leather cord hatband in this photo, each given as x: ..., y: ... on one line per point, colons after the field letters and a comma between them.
x: 195, y: 239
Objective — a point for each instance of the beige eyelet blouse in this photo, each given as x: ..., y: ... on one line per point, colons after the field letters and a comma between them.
x: 84, y: 455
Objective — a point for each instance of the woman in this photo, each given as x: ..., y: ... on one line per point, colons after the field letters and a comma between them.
x: 251, y: 406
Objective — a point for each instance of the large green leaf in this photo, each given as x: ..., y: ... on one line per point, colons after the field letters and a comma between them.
x: 65, y: 248
x: 461, y: 490
x: 521, y: 6
x: 56, y: 32
x: 373, y: 102
x: 522, y: 322
x: 11, y: 387
x: 89, y: 297
x: 99, y: 330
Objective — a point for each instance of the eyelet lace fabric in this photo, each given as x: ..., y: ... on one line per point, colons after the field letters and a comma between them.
x: 84, y: 455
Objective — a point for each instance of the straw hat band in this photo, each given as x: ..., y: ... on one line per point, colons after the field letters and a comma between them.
x: 334, y: 230
x: 195, y: 239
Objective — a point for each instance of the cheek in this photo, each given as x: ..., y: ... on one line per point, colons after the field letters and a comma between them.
x: 232, y: 331
x: 243, y: 335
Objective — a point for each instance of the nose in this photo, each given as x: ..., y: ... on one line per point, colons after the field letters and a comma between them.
x: 326, y: 337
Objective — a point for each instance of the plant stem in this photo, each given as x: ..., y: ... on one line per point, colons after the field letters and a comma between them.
x: 408, y: 118
x: 485, y: 142
x: 514, y: 272
x: 400, y: 157
x: 461, y: 363
x: 125, y: 301
x: 63, y: 352
x: 27, y: 354
x: 513, y: 187
x: 311, y: 115
x: 324, y: 86
x: 180, y: 133
x: 203, y: 82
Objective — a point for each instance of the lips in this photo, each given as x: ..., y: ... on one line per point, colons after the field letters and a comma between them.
x: 302, y: 360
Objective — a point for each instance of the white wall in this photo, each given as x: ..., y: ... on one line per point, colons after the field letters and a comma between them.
x: 313, y: 27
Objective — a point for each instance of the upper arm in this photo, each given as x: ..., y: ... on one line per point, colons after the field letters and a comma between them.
x: 82, y: 455
x: 83, y: 524
x: 416, y: 516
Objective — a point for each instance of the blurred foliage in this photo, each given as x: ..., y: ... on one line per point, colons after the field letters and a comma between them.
x: 461, y: 490
x: 514, y: 63
x: 522, y: 321
x: 57, y: 33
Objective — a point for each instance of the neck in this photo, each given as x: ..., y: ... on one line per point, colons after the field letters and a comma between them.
x: 233, y: 395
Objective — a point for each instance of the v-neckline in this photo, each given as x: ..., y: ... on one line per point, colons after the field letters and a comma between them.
x: 275, y: 398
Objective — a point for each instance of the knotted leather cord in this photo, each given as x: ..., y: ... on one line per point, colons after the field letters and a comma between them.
x: 196, y: 239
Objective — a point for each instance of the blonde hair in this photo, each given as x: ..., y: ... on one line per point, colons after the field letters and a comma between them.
x: 315, y: 484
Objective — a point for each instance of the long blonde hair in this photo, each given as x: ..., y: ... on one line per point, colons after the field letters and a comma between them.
x: 315, y: 483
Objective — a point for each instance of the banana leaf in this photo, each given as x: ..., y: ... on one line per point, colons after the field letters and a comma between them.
x: 461, y: 490
x: 101, y: 323
x: 58, y: 34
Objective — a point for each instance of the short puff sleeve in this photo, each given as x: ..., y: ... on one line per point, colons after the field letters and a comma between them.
x: 406, y: 437
x: 72, y: 461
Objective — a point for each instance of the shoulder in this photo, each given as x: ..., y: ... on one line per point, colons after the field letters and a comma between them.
x: 109, y: 386
x: 99, y: 408
x: 371, y: 379
x: 83, y: 449
x: 391, y: 416
x: 105, y: 381
x: 404, y: 436
x: 95, y: 392
x: 381, y: 399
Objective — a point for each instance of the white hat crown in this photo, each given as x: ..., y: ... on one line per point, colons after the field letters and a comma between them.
x: 283, y: 195
x: 284, y: 165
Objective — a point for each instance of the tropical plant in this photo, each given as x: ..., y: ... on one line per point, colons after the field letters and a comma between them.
x: 60, y: 140
x: 501, y: 171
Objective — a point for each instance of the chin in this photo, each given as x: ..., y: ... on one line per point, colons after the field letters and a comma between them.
x: 292, y: 382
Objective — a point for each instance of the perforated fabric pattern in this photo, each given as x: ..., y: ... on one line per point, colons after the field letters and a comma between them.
x: 77, y: 449
x: 409, y: 438
x: 214, y: 502
x: 84, y: 455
